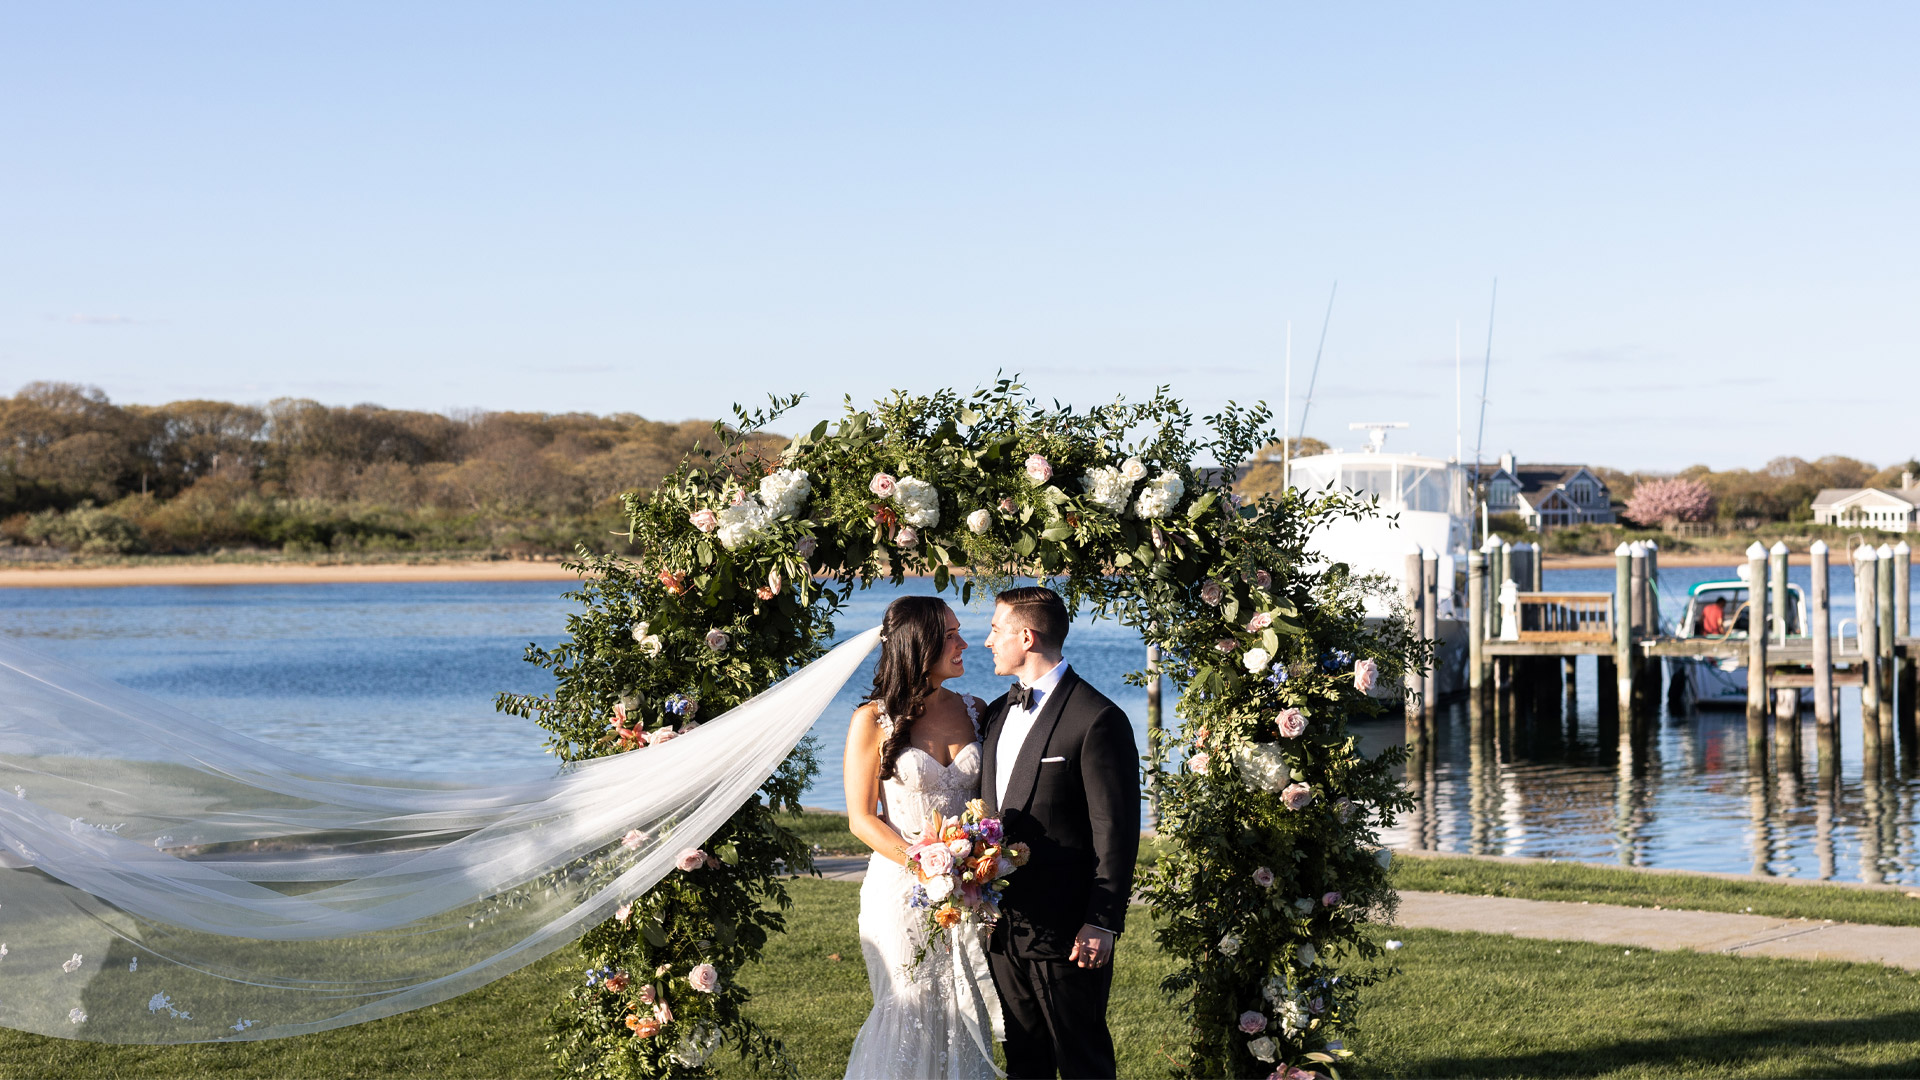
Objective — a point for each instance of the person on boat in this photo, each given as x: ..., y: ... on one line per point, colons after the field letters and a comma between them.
x: 1713, y: 618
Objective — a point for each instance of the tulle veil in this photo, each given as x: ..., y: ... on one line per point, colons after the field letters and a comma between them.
x: 167, y: 880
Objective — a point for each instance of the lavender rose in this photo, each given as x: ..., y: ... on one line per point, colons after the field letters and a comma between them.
x: 1291, y: 723
x: 1297, y: 796
x: 1212, y: 593
x: 717, y: 640
x: 882, y: 485
x: 1253, y: 1023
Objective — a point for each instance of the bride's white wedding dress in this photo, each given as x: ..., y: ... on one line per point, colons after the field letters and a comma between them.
x: 937, y: 1019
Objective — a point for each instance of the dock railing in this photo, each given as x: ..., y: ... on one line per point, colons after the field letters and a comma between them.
x: 1566, y: 616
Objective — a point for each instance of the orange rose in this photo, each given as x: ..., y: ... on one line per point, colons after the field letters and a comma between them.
x: 953, y: 832
x: 947, y: 917
x: 986, y: 869
x: 673, y: 583
x: 644, y: 1027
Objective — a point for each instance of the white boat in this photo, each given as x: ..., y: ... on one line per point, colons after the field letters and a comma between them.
x: 1424, y: 502
x: 1718, y: 609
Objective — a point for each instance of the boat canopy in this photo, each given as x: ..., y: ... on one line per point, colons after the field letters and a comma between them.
x: 1402, y: 481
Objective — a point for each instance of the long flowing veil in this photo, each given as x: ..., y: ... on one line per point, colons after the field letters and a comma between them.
x: 167, y: 880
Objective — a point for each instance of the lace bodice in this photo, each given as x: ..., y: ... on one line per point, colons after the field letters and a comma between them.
x: 922, y: 787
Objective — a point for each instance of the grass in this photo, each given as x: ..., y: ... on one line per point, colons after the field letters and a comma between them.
x: 1463, y: 1005
x: 1605, y: 885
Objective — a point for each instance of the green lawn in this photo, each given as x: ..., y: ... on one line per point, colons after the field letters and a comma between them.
x: 1605, y: 885
x: 1465, y: 1005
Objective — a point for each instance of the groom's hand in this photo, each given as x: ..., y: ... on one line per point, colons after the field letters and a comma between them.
x: 1092, y: 947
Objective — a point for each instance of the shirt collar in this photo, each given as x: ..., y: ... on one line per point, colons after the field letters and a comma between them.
x: 1045, y: 683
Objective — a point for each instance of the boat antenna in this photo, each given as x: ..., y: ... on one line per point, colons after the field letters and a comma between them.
x: 1286, y: 415
x: 1315, y: 377
x: 1458, y: 445
x: 1486, y: 367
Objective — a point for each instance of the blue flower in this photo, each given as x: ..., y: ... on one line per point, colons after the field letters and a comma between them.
x: 918, y: 899
x: 1278, y: 676
x: 677, y: 704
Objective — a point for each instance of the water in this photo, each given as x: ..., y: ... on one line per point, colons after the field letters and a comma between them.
x: 403, y: 675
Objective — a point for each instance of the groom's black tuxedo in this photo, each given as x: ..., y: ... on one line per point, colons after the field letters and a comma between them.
x: 1074, y: 799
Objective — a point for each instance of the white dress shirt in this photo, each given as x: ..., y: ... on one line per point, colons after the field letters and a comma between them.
x: 1013, y: 730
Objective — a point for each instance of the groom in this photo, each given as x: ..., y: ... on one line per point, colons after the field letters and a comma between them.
x: 1061, y: 769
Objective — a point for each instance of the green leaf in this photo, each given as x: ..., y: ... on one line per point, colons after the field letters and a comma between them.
x: 1270, y: 641
x: 728, y: 854
x: 655, y: 934
x: 966, y: 592
x: 1024, y: 546
x: 1057, y: 532
x: 1201, y: 504
x: 940, y: 578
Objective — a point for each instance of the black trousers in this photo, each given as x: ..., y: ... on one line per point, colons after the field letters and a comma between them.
x: 1056, y: 1014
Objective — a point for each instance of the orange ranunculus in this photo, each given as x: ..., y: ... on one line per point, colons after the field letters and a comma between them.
x: 954, y: 831
x: 644, y: 1027
x: 947, y: 917
x: 674, y: 583
x: 986, y: 869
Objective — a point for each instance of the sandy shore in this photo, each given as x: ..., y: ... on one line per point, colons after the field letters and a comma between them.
x: 69, y: 577
x: 1605, y: 562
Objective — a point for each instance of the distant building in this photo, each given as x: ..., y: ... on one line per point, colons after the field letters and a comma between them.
x: 1549, y: 496
x: 1886, y: 509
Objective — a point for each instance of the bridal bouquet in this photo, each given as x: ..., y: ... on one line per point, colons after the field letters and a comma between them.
x: 962, y: 866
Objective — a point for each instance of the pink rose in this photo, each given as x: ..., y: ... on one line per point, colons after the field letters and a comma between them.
x: 1365, y: 674
x: 1006, y: 506
x: 704, y: 520
x: 1198, y: 763
x: 633, y: 839
x: 1226, y: 644
x: 1252, y: 1023
x: 1297, y: 796
x: 1263, y: 579
x: 704, y: 978
x: 935, y: 860
x: 662, y: 735
x: 1331, y: 900
x: 1263, y: 877
x: 907, y: 536
x: 717, y: 640
x: 881, y: 485
x: 1200, y: 737
x: 805, y: 546
x: 1212, y: 593
x: 1039, y: 469
x: 1259, y: 622
x: 691, y: 859
x: 648, y: 994
x: 662, y: 1012
x: 713, y: 861
x: 1291, y: 723
x: 618, y: 981
x: 623, y: 912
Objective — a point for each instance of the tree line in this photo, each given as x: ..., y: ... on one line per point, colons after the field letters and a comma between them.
x: 80, y: 471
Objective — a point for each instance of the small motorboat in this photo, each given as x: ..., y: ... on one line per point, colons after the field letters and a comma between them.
x: 1719, y: 609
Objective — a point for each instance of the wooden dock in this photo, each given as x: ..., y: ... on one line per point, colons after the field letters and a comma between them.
x: 1524, y: 641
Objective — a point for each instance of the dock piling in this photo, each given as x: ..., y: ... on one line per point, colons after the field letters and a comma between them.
x: 1906, y: 681
x: 1476, y: 624
x: 1623, y: 630
x: 1820, y: 613
x: 1883, y: 614
x: 1777, y: 606
x: 1757, y: 704
x: 1865, y: 612
x: 1430, y: 629
x: 1415, y: 583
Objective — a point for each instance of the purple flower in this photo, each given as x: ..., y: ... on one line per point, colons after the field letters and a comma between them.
x: 1252, y: 1023
x: 1212, y: 593
x: 1263, y: 877
x: 1331, y: 900
x: 1297, y: 796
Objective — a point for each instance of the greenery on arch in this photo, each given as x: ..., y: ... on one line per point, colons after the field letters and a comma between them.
x: 742, y: 559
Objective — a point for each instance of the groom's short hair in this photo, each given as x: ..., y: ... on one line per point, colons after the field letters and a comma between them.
x: 1043, y: 612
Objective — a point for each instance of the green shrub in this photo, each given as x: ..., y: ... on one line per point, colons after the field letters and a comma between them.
x: 88, y: 530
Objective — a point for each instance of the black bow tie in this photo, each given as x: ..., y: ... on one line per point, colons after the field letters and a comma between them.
x: 1022, y: 696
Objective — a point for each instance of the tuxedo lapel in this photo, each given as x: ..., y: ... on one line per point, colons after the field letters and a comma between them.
x: 989, y: 752
x: 1026, y: 767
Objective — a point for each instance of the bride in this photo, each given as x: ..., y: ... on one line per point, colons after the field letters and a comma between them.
x: 913, y: 751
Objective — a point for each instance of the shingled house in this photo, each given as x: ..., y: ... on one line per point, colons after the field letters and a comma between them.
x: 1548, y: 496
x: 1887, y: 509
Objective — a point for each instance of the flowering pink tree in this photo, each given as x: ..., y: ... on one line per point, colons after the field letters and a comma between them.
x: 1660, y: 501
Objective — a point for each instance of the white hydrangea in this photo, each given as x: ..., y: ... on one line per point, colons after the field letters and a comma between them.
x: 1133, y: 470
x: 1263, y: 766
x: 1293, y: 1016
x: 919, y: 502
x: 743, y: 523
x: 1107, y: 488
x: 1160, y: 496
x: 1230, y: 944
x: 785, y: 491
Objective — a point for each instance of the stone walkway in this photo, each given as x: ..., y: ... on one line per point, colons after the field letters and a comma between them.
x: 1630, y: 927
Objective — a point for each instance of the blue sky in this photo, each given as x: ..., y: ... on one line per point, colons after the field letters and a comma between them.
x: 1703, y: 217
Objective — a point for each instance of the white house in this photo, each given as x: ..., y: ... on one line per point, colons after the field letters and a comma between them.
x: 1886, y: 509
x: 1548, y: 496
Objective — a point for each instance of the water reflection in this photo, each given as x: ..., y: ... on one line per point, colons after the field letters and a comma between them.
x: 1541, y: 774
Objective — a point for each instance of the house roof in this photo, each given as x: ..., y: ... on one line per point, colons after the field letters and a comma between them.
x: 1534, y: 479
x: 1834, y: 498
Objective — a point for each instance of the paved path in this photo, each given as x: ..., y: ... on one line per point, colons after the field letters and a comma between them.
x: 1632, y: 927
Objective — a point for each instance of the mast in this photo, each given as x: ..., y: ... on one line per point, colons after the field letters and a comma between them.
x: 1486, y: 367
x: 1286, y: 416
x: 1315, y: 377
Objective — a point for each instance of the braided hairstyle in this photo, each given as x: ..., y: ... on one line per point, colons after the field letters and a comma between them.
x: 912, y: 635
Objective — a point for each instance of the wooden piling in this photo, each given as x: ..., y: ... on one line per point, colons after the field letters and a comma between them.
x: 1777, y: 592
x: 1865, y: 571
x: 1653, y: 586
x: 1476, y: 622
x: 1537, y: 566
x: 1820, y: 614
x: 1906, y: 682
x: 1430, y: 629
x: 1757, y: 704
x: 1154, y: 736
x: 1637, y: 586
x: 1490, y: 602
x: 1883, y: 615
x: 1506, y: 575
x: 1415, y: 584
x: 1623, y: 629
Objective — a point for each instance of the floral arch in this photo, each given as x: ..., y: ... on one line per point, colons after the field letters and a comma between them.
x: 1268, y: 816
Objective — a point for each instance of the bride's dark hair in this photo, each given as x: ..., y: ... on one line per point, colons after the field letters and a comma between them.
x: 911, y: 636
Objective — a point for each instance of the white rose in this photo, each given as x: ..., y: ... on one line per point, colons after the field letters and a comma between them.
x: 960, y: 846
x: 640, y: 631
x: 980, y: 521
x: 1230, y: 944
x: 1133, y: 470
x: 938, y: 887
x: 1257, y: 660
x: 651, y: 645
x: 1262, y: 1048
x: 919, y: 502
